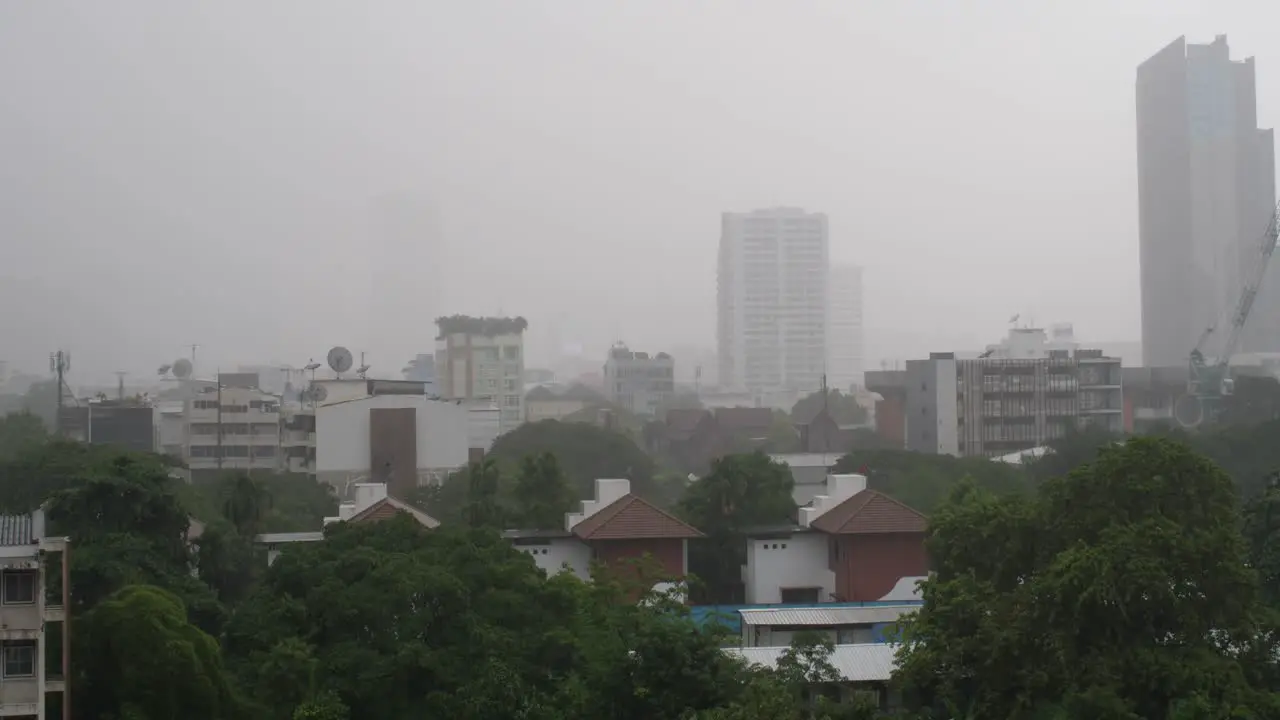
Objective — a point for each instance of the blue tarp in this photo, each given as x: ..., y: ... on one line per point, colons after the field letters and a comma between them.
x: 727, y: 615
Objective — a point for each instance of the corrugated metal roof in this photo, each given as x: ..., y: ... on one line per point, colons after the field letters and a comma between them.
x: 289, y: 537
x: 16, y: 530
x: 855, y: 663
x: 797, y: 460
x: 825, y: 617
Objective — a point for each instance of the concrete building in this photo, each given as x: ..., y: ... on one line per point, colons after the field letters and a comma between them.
x: 227, y: 424
x: 26, y: 614
x: 1206, y: 189
x: 482, y: 360
x: 387, y: 431
x: 772, y: 300
x: 638, y: 382
x: 1021, y: 394
x: 125, y: 424
x: 851, y: 544
x: 844, y: 328
x: 615, y: 528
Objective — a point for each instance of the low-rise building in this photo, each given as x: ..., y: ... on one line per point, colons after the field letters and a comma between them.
x: 615, y: 528
x: 851, y: 544
x: 26, y: 613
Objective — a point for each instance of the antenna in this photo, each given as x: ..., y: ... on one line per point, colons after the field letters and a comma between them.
x: 120, y: 384
x: 363, y: 370
x: 60, y: 365
x: 339, y: 359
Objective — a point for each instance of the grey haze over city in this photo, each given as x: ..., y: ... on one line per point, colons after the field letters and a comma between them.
x: 271, y: 179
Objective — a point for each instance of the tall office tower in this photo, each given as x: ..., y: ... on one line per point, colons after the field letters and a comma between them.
x: 1206, y: 186
x: 844, y: 327
x: 772, y: 300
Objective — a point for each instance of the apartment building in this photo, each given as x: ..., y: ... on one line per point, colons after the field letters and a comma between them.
x: 638, y: 382
x: 481, y: 360
x: 26, y: 613
x: 771, y: 311
x: 1018, y: 396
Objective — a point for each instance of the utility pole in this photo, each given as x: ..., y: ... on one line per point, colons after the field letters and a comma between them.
x: 120, y: 384
x: 59, y: 363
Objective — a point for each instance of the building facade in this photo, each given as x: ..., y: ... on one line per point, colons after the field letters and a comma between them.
x: 638, y: 382
x: 772, y: 300
x: 26, y: 613
x: 996, y: 406
x: 227, y: 424
x: 1206, y: 190
x: 844, y: 328
x: 481, y: 361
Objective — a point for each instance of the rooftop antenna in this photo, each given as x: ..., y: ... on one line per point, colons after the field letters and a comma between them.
x: 339, y: 359
x: 311, y: 366
x: 363, y: 370
x: 59, y: 364
x: 120, y: 384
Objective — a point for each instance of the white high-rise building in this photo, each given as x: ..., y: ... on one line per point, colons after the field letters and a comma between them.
x: 481, y: 360
x: 844, y: 328
x: 772, y: 300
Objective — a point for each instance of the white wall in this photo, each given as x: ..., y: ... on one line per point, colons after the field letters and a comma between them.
x: 342, y: 433
x: 948, y: 410
x: 553, y: 557
x: 793, y: 562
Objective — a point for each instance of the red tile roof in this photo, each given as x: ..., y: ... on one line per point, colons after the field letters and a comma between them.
x: 633, y: 518
x: 870, y: 512
x: 388, y: 507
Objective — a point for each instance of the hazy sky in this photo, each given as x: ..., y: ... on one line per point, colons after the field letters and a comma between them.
x: 231, y: 173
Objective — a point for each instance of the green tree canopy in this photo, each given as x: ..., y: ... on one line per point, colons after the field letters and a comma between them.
x: 1119, y: 590
x: 844, y: 409
x: 139, y: 657
x: 542, y: 495
x: 740, y: 492
x: 924, y: 481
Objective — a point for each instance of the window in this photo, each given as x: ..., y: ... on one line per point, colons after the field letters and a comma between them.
x: 19, y: 587
x: 800, y: 595
x: 20, y: 659
x: 857, y: 635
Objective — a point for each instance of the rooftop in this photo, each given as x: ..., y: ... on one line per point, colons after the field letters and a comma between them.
x: 17, y: 530
x: 832, y: 615
x: 870, y: 512
x: 631, y: 517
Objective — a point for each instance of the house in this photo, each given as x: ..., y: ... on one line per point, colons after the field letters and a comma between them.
x: 615, y: 529
x: 808, y: 473
x: 370, y: 503
x: 851, y: 544
x: 693, y: 438
x: 822, y: 434
x: 26, y: 559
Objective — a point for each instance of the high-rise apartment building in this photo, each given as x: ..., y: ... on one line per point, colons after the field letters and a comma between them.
x: 481, y: 360
x: 772, y: 300
x: 1206, y: 188
x: 844, y: 327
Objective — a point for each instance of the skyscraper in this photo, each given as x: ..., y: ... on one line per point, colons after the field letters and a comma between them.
x: 844, y: 327
x: 1206, y: 185
x: 772, y: 300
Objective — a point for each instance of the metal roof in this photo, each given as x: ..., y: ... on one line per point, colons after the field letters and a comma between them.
x: 290, y: 537
x: 855, y: 663
x: 825, y: 617
x: 16, y: 530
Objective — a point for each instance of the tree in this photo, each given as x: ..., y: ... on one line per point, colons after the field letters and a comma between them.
x: 585, y: 452
x: 740, y: 492
x: 482, y: 509
x: 1119, y: 590
x: 245, y: 503
x: 923, y: 481
x: 20, y: 432
x: 844, y: 409
x: 542, y: 495
x: 140, y: 657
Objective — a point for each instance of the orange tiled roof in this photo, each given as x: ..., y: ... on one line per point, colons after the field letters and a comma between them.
x: 870, y: 512
x: 631, y: 517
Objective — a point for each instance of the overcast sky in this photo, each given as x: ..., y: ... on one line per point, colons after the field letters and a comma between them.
x: 271, y: 178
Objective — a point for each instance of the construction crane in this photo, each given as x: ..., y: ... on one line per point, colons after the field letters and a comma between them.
x: 1209, y: 383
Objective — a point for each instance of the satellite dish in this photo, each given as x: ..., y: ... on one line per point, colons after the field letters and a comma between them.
x: 181, y: 368
x: 1188, y: 410
x: 318, y: 393
x: 339, y: 359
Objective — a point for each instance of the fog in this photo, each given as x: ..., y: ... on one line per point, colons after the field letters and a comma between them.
x: 270, y: 179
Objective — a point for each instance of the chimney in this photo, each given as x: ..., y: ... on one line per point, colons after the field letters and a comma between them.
x: 839, y: 489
